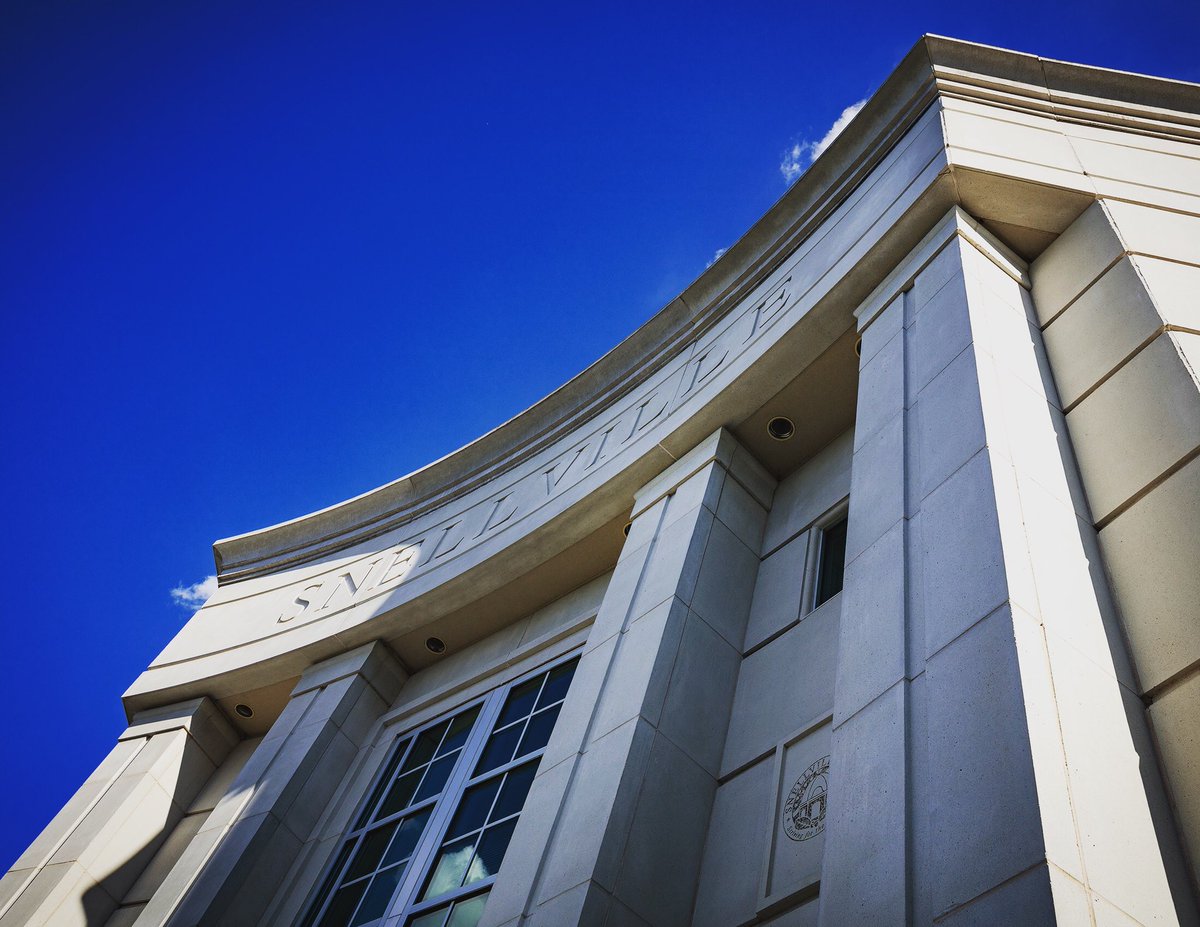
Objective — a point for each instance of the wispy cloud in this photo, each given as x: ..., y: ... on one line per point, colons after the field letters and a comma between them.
x: 195, y: 595
x: 715, y: 257
x: 797, y: 158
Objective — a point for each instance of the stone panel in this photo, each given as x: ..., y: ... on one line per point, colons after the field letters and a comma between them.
x: 807, y: 494
x: 777, y: 592
x: 1151, y: 551
x: 1152, y: 407
x: 1105, y: 325
x: 1173, y: 717
x: 794, y: 674
x: 979, y: 746
x: 733, y: 851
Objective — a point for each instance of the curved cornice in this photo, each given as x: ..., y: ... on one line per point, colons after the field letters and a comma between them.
x: 935, y: 66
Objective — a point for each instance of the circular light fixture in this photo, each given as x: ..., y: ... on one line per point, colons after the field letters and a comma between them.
x: 244, y: 710
x: 435, y: 645
x: 781, y: 428
x: 858, y: 346
x: 625, y: 530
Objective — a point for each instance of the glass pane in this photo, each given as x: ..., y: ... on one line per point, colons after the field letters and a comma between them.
x: 516, y: 787
x: 406, y: 838
x: 460, y: 727
x: 556, y: 684
x: 426, y: 746
x: 375, y: 903
x: 432, y: 919
x: 400, y: 796
x: 538, y: 731
x: 343, y: 905
x: 520, y: 701
x: 435, y: 777
x: 467, y: 913
x: 388, y: 772
x: 473, y: 812
x: 491, y: 851
x: 370, y: 851
x: 451, y: 866
x: 499, y: 749
x: 830, y: 573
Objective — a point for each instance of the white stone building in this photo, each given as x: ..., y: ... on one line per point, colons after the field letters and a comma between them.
x: 859, y: 586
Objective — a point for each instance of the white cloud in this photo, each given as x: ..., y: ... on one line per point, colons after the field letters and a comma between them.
x: 797, y: 158
x: 195, y: 595
x: 715, y: 257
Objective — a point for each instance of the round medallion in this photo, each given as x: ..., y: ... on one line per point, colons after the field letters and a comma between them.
x: 804, y: 810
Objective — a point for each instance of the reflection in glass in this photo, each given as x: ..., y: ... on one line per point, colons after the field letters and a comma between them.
x: 473, y: 811
x: 475, y: 815
x: 490, y: 853
x: 378, y: 895
x: 516, y: 787
x: 343, y: 905
x: 467, y: 913
x: 520, y: 702
x: 537, y: 732
x: 500, y: 748
x: 450, y: 869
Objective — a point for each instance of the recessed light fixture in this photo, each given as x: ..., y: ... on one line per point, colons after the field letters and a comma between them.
x: 625, y: 530
x: 858, y: 346
x: 781, y: 428
x: 435, y: 645
x: 244, y: 710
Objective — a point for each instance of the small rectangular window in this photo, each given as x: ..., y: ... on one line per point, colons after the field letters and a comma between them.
x: 831, y: 567
x: 430, y: 838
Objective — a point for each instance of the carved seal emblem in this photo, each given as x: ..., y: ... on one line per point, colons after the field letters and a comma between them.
x: 804, y: 810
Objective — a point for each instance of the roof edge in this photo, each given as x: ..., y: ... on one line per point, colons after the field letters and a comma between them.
x: 934, y: 66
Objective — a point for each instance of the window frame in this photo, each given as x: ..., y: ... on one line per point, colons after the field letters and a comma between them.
x: 816, y: 555
x: 445, y: 805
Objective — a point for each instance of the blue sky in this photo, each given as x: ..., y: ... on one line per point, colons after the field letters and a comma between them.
x: 257, y: 258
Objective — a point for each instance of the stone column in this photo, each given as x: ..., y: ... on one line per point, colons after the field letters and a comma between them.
x: 983, y: 769
x: 82, y: 865
x: 230, y: 871
x: 1117, y: 300
x: 614, y: 825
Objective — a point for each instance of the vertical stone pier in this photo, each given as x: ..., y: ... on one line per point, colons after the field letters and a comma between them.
x: 983, y: 766
x: 614, y: 826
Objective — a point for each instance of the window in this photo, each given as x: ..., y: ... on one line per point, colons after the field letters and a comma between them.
x: 831, y: 565
x: 433, y: 831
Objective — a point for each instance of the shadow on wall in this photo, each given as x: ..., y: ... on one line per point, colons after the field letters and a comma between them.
x: 158, y: 846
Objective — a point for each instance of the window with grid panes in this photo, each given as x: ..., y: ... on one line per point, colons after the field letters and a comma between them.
x: 429, y: 840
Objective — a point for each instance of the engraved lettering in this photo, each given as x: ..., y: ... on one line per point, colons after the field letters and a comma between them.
x: 640, y: 420
x: 491, y: 521
x: 697, y: 379
x: 300, y: 603
x: 804, y: 810
x: 600, y: 455
x: 344, y: 581
x: 440, y: 549
x: 552, y: 481
x: 401, y: 565
x: 765, y: 311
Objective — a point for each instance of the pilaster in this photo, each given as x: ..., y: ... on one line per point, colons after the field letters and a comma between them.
x: 1116, y: 300
x: 82, y: 865
x: 615, y: 824
x: 229, y: 872
x: 983, y: 770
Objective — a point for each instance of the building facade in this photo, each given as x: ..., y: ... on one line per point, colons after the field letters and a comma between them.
x: 860, y: 586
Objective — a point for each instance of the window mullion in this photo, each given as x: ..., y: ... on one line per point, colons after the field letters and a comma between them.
x: 447, y: 803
